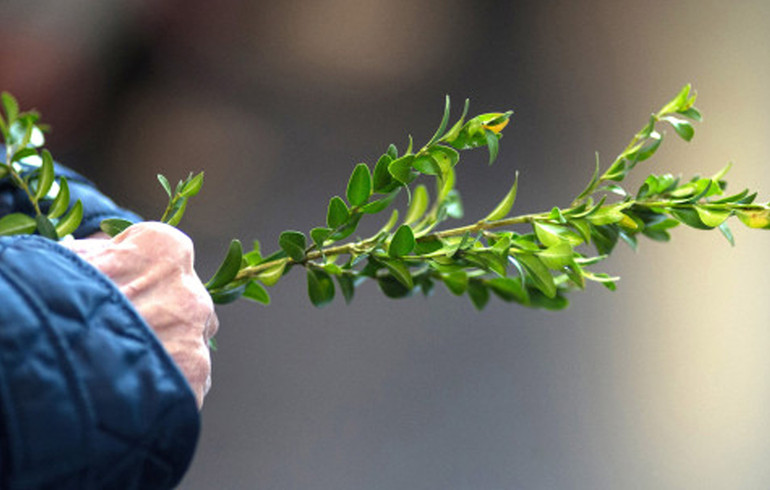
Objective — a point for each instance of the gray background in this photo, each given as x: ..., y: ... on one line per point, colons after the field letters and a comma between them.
x: 662, y: 384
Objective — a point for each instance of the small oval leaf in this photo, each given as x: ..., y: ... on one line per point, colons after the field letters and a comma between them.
x: 418, y: 205
x: 360, y: 185
x: 70, y: 221
x: 45, y: 181
x: 402, y: 242
x: 337, y: 213
x: 192, y: 186
x: 255, y: 292
x: 114, y: 226
x: 271, y: 275
x: 165, y: 184
x: 17, y: 224
x: 229, y: 267
x: 320, y: 287
x: 62, y: 200
x: 294, y: 244
x: 505, y: 206
x: 45, y: 227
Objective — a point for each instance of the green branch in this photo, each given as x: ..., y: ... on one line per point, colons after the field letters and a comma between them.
x: 532, y: 259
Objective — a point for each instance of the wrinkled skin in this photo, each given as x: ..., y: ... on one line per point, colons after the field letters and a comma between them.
x: 152, y: 265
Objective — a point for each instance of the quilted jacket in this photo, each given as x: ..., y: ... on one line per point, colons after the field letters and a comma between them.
x: 89, y: 399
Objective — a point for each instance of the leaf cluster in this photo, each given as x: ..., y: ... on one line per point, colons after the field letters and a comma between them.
x: 31, y: 169
x: 533, y: 259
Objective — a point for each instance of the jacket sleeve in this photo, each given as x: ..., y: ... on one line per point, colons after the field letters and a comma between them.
x: 88, y: 396
x: 96, y: 206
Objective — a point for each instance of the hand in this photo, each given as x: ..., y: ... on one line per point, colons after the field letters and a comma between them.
x: 152, y: 265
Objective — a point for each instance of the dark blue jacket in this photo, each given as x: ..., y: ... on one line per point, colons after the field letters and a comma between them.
x: 89, y: 399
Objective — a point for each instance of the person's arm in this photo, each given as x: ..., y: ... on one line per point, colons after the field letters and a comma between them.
x: 89, y: 397
x: 152, y: 264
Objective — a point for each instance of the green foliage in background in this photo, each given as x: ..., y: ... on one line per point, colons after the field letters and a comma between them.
x: 531, y: 259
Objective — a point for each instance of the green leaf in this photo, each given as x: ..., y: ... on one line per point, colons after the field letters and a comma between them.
x: 647, y: 150
x: 255, y: 292
x: 401, y: 169
x: 320, y: 287
x: 712, y: 217
x: 70, y: 221
x: 225, y: 296
x: 23, y: 153
x: 192, y: 186
x: 509, y: 289
x: 478, y: 293
x: 505, y: 206
x: 727, y: 233
x: 165, y: 184
x: 229, y: 267
x: 605, y: 279
x: 502, y: 245
x: 558, y: 302
x: 456, y: 282
x: 359, y: 186
x: 445, y: 157
x: 320, y: 235
x: 45, y: 228
x: 681, y: 102
x: 583, y: 228
x: 557, y: 256
x: 452, y: 134
x: 550, y: 234
x: 400, y: 271
x: 490, y: 261
x: 380, y: 205
x: 11, y: 107
x: 271, y: 275
x: 690, y: 217
x: 402, y: 242
x: 17, y: 224
x: 382, y: 181
x: 575, y: 274
x: 755, y: 218
x: 418, y: 205
x: 425, y: 164
x: 337, y: 213
x: 392, y: 151
x: 114, y: 226
x: 348, y: 229
x: 493, y: 143
x: 608, y: 215
x: 445, y: 185
x: 294, y: 244
x: 177, y: 212
x: 393, y: 288
x: 444, y: 121
x: 692, y: 113
x: 428, y: 245
x: 539, y: 273
x: 682, y: 127
x: 347, y: 286
x: 46, y: 179
x: 592, y: 183
x: 62, y: 200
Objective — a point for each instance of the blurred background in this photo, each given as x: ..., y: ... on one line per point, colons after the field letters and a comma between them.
x: 663, y: 384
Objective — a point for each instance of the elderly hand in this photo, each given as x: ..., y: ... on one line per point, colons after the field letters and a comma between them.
x: 152, y: 265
